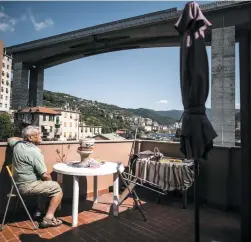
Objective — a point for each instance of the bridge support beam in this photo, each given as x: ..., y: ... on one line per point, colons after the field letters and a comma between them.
x: 223, y: 85
x: 36, y: 87
x: 20, y: 85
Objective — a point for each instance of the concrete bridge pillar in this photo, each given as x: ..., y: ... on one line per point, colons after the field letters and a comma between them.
x: 223, y: 85
x: 20, y: 85
x: 36, y: 87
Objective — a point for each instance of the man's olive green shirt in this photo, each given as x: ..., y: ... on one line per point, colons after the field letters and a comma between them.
x: 27, y: 162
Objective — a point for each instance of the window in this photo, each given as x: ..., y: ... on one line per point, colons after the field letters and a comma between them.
x: 1, y: 96
x: 65, y: 115
x: 44, y: 117
x: 3, y: 64
x: 70, y: 134
x: 50, y: 128
x: 51, y: 118
x: 7, y: 83
x: 8, y: 75
x: 2, y: 81
x: 5, y: 105
x: 81, y: 130
x: 57, y: 120
x: 1, y: 105
x: 6, y: 97
x: 2, y: 73
x: 86, y: 130
x: 7, y: 66
x: 7, y: 91
x: 2, y: 90
x: 64, y: 134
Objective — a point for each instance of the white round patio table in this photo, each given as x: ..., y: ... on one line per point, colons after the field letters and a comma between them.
x: 107, y: 168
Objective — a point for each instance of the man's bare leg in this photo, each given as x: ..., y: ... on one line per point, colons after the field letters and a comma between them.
x: 53, y: 205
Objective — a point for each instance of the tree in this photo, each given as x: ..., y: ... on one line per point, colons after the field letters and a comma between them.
x: 6, y: 127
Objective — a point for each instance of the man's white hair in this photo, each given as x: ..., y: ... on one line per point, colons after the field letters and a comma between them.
x: 29, y: 130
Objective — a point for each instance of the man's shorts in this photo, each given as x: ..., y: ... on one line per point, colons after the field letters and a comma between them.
x: 45, y: 188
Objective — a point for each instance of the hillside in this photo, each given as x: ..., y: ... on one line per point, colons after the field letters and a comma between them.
x: 176, y: 114
x: 111, y: 117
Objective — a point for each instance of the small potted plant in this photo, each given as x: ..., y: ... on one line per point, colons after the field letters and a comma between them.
x: 61, y: 159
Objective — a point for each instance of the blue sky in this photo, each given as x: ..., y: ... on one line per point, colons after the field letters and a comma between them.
x: 146, y: 78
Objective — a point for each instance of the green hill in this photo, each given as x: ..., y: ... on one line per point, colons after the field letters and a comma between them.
x: 111, y: 117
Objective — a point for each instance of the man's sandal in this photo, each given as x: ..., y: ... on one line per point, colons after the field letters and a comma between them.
x: 54, y: 222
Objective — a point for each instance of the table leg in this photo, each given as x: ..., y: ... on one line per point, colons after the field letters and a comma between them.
x: 115, y: 194
x: 95, y: 189
x: 75, y: 201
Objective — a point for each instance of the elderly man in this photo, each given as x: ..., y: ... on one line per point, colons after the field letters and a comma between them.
x: 31, y: 175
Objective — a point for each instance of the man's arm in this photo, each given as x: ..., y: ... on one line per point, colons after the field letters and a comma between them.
x: 13, y: 140
x: 46, y: 176
x: 39, y: 166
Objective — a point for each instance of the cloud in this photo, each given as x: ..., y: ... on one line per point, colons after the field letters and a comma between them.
x: 161, y: 105
x: 38, y: 25
x: 6, y: 27
x: 162, y: 102
x: 2, y: 13
x: 8, y: 23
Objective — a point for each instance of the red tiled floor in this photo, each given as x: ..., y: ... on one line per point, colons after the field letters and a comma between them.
x: 165, y: 222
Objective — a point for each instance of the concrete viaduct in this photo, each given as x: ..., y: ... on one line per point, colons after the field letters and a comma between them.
x: 145, y: 31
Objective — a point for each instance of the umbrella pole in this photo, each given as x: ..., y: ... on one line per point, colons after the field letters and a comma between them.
x: 196, y: 203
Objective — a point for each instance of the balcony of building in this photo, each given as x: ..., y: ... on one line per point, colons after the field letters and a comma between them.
x: 58, y: 131
x: 220, y: 182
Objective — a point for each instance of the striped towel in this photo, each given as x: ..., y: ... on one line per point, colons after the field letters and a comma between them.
x: 168, y: 176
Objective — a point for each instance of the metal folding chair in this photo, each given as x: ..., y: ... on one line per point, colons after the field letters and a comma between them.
x: 10, y: 195
x: 130, y: 191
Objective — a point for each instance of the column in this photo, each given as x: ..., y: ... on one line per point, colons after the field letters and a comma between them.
x: 223, y: 85
x: 245, y: 87
x: 20, y: 85
x: 36, y: 87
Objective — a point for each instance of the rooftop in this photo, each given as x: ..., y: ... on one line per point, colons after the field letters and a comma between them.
x: 110, y: 136
x: 165, y: 222
x: 39, y: 110
x: 219, y: 191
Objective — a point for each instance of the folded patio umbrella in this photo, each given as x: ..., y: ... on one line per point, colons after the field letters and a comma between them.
x: 197, y: 133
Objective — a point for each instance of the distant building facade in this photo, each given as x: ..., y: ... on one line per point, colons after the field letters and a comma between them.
x: 5, y: 80
x: 67, y: 123
x: 42, y: 117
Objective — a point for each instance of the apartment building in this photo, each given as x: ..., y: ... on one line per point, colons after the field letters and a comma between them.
x: 5, y: 79
x: 67, y: 123
x: 42, y: 117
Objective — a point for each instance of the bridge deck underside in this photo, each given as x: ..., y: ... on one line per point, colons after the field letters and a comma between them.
x: 156, y: 34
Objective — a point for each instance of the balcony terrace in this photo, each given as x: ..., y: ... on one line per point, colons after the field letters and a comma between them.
x: 220, y: 182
